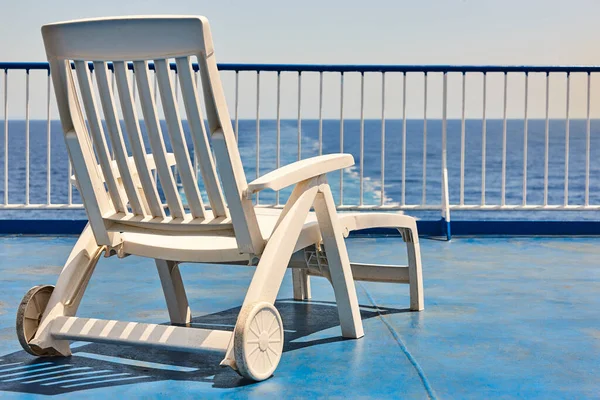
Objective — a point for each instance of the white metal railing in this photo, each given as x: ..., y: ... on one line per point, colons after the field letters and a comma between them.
x: 399, y: 193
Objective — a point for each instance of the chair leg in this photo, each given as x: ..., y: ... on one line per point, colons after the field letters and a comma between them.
x: 415, y: 273
x: 69, y: 290
x: 301, y: 282
x: 274, y: 260
x: 172, y: 284
x: 339, y: 264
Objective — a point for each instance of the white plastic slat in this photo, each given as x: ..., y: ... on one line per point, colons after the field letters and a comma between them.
x: 156, y: 140
x: 81, y: 153
x: 134, y: 134
x: 140, y: 334
x: 176, y: 86
x: 196, y: 76
x: 118, y: 144
x: 199, y: 137
x: 184, y: 164
x: 155, y: 93
x: 116, y: 137
x: 229, y: 162
x: 99, y: 140
x: 133, y: 85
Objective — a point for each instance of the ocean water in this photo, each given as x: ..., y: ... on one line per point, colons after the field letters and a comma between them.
x: 372, y: 163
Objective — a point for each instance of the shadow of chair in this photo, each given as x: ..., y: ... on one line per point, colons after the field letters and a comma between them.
x: 95, y: 366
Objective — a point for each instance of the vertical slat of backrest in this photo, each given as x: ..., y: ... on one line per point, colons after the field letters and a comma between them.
x: 231, y: 170
x: 90, y: 185
x: 130, y: 180
x: 198, y: 131
x: 118, y: 144
x: 178, y: 143
x: 99, y: 141
x: 156, y: 140
x: 135, y: 140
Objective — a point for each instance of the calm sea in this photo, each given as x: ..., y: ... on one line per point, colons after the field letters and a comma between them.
x: 372, y: 163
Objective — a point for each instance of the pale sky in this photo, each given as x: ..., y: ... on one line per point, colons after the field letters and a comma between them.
x: 508, y: 32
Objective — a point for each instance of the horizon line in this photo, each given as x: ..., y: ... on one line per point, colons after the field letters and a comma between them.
x: 348, y: 119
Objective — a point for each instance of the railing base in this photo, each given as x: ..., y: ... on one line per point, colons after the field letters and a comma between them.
x: 426, y: 228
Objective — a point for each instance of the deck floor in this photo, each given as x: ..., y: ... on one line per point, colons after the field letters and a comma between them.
x: 504, y: 318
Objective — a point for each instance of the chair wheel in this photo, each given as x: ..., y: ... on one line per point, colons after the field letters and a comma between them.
x: 29, y: 315
x: 258, y: 341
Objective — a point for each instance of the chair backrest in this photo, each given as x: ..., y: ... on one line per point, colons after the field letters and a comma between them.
x: 110, y: 188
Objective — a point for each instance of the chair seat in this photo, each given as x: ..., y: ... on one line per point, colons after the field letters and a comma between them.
x: 206, y: 246
x: 221, y: 246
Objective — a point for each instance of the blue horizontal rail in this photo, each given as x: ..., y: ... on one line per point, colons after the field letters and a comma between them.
x: 427, y: 228
x: 27, y: 66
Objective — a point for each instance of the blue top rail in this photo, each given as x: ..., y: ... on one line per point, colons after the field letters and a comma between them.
x: 27, y: 66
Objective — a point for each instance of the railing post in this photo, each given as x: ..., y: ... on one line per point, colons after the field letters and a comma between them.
x: 48, y: 144
x: 237, y: 104
x: 382, y: 200
x: 445, y: 206
x: 27, y: 127
x: 403, y: 198
x: 445, y: 197
x: 299, y: 116
x: 362, y: 138
x: 6, y: 137
x: 587, y: 144
x: 278, y: 134
x: 257, y: 130
x: 341, y: 135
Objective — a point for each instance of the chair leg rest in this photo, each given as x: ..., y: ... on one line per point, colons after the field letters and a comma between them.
x: 142, y: 334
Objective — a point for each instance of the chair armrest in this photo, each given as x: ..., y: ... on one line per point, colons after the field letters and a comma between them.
x: 300, y: 171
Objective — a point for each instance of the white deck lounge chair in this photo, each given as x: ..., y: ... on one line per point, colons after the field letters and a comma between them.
x: 127, y: 215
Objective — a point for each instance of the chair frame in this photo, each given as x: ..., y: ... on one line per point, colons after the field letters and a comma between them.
x: 122, y: 201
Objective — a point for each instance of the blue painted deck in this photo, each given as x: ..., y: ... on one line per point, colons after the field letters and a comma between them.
x: 504, y: 318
